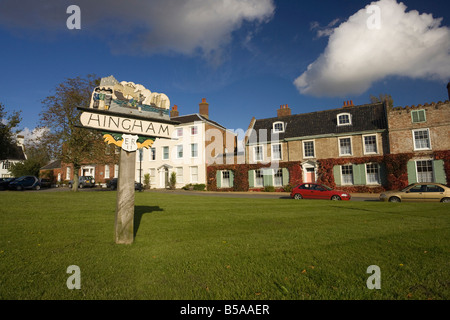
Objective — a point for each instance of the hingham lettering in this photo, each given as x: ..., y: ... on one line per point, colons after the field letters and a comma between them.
x: 126, y: 125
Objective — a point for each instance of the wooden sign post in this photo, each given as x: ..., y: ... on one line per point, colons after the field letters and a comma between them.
x: 130, y: 117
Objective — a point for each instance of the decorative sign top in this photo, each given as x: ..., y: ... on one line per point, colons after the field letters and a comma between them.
x: 130, y: 115
x: 129, y: 98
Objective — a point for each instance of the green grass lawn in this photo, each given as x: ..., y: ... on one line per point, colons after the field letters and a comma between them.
x: 194, y: 247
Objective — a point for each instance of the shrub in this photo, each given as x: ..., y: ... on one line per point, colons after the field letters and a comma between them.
x: 147, y: 181
x: 199, y: 187
x: 287, y: 188
x: 173, y: 180
x: 269, y: 189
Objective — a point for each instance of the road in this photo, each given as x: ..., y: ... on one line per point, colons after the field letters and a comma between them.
x: 257, y: 195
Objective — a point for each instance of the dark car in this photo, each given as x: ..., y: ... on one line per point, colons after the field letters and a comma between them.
x: 4, y: 182
x: 84, y: 181
x: 112, y: 184
x: 318, y: 191
x: 45, y: 183
x: 25, y: 182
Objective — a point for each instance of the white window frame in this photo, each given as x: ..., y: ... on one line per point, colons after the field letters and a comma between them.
x: 344, y: 114
x: 275, y: 130
x: 228, y: 179
x: 193, y: 128
x: 342, y: 175
x: 179, y: 173
x: 262, y: 153
x: 192, y: 174
x: 351, y: 146
x: 116, y: 171
x: 378, y: 182
x: 178, y: 151
x: 281, y: 152
x: 414, y: 138
x: 152, y: 154
x: 179, y: 132
x: 274, y: 172
x: 418, y: 112
x: 256, y: 178
x: 68, y: 172
x: 196, y: 151
x: 433, y: 178
x: 304, y: 151
x: 364, y: 143
x: 164, y: 154
x: 107, y: 171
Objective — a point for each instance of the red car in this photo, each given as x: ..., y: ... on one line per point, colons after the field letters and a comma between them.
x: 318, y: 191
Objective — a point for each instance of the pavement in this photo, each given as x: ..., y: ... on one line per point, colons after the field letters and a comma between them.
x: 230, y: 194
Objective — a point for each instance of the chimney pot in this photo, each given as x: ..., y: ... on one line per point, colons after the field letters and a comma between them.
x: 204, y: 108
x: 284, y: 111
x: 174, y: 112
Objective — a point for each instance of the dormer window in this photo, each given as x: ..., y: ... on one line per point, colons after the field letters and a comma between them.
x: 344, y: 119
x: 278, y: 127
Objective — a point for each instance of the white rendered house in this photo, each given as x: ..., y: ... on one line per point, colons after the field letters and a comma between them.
x: 187, y: 153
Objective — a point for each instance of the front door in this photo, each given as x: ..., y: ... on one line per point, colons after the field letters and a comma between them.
x: 166, y: 178
x: 310, y: 176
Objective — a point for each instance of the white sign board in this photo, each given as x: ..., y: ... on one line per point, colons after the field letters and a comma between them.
x: 114, y: 123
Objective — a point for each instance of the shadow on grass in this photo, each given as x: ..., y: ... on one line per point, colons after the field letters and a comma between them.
x: 139, y: 211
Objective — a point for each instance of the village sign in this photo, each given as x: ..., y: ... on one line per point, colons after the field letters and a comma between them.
x: 130, y: 117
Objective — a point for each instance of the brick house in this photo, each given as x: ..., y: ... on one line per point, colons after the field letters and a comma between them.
x: 423, y: 134
x: 342, y: 147
x: 365, y: 148
x: 61, y: 173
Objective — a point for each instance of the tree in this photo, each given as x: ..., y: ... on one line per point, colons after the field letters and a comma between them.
x: 65, y: 139
x: 37, y: 157
x: 383, y: 97
x: 7, y: 124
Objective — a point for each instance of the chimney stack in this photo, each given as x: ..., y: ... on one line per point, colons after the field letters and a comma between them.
x: 284, y: 111
x: 20, y: 140
x: 348, y: 103
x: 174, y: 112
x: 204, y: 108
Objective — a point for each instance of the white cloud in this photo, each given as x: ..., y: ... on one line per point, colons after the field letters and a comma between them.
x: 152, y: 26
x: 32, y: 136
x: 407, y: 44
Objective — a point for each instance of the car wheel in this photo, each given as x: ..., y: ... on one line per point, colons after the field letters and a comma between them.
x: 80, y: 186
x: 335, y: 198
x: 19, y: 188
x: 394, y: 199
x: 446, y: 200
x: 38, y: 187
x: 298, y: 196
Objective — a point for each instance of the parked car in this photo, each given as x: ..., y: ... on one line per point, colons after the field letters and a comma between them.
x: 112, y: 184
x: 419, y: 192
x: 84, y: 181
x: 45, y: 183
x: 4, y: 182
x: 25, y: 182
x: 318, y: 191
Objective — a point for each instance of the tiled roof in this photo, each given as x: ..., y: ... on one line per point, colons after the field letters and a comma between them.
x: 15, y: 152
x: 369, y: 117
x: 195, y: 117
x: 52, y: 165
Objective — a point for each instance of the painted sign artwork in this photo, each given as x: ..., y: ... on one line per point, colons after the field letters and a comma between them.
x: 129, y: 115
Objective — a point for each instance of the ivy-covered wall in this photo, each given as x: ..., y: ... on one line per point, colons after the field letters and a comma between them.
x: 393, y: 172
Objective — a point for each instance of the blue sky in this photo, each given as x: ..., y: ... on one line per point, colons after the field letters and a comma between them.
x: 246, y: 58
